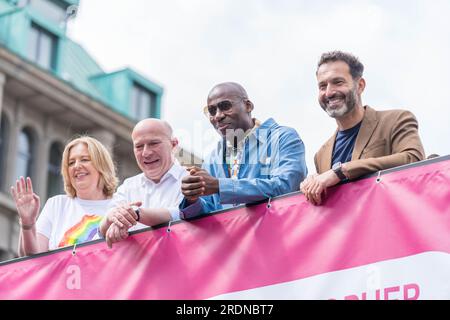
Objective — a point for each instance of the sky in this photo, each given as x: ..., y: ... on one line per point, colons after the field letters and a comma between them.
x: 271, y: 47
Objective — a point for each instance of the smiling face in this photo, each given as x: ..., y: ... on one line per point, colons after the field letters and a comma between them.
x: 238, y: 116
x: 84, y: 177
x: 153, y: 148
x: 339, y: 93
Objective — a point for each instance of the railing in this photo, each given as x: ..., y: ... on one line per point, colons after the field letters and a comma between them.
x: 385, y: 236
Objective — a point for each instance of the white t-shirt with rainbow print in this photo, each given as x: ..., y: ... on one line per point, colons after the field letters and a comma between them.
x: 66, y: 221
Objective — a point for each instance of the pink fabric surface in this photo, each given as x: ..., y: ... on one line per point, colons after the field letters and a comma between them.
x: 362, y: 222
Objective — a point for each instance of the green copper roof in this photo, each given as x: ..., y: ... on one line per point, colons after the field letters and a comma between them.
x: 73, y: 64
x: 78, y: 66
x: 71, y: 2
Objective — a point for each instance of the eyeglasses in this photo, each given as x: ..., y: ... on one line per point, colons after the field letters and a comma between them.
x: 224, y: 106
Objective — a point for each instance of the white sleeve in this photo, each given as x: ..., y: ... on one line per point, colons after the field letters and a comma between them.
x: 121, y: 195
x: 175, y: 211
x: 45, y: 221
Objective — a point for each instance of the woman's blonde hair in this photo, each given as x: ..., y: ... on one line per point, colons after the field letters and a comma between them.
x: 101, y: 160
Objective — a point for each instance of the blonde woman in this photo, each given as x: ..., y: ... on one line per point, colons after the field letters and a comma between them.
x: 89, y: 182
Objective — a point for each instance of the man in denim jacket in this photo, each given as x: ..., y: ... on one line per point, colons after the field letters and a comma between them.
x: 252, y: 162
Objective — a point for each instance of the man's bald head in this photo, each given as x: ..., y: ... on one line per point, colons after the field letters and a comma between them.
x: 154, y: 147
x: 229, y: 108
x: 152, y: 124
x: 228, y: 88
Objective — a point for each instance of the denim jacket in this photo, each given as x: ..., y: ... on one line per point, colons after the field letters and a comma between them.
x: 272, y: 164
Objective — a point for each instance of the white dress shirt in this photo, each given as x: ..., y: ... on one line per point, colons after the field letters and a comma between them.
x: 165, y: 194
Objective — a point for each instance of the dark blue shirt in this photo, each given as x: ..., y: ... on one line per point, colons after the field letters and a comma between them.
x: 343, y: 146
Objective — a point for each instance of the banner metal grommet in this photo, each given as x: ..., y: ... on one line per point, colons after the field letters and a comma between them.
x: 269, y: 204
x: 378, y: 180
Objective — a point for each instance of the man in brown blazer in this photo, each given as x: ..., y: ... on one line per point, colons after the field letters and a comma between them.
x: 366, y: 140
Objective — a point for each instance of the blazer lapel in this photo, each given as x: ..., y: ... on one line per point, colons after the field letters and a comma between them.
x: 327, y: 152
x: 368, y: 126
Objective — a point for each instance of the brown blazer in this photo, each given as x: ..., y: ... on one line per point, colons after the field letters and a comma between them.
x: 386, y: 139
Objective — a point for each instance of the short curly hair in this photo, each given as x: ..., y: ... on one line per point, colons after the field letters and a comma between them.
x: 356, y: 67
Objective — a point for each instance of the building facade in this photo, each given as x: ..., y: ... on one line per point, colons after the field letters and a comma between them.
x: 51, y: 89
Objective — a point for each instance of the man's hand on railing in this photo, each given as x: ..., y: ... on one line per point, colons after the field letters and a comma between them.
x: 314, y: 187
x: 123, y: 215
x: 115, y: 234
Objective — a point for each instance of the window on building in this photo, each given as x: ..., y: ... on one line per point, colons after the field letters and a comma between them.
x: 3, y: 150
x: 4, y: 254
x: 24, y: 154
x: 51, y: 10
x: 19, y: 3
x: 42, y: 47
x: 54, y: 182
x: 143, y: 103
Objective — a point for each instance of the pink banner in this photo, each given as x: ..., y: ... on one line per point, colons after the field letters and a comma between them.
x: 387, y: 239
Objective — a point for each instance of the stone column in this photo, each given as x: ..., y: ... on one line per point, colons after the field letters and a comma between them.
x: 40, y: 171
x: 2, y: 85
x: 107, y: 138
x: 16, y: 125
x: 2, y: 174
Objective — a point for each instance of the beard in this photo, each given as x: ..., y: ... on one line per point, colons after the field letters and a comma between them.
x: 349, y: 104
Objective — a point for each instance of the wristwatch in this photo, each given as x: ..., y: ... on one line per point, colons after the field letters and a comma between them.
x: 138, y: 213
x: 337, y: 169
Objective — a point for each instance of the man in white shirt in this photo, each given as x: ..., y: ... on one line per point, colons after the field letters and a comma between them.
x: 156, y: 191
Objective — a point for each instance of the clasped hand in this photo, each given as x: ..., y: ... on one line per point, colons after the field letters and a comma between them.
x: 198, y: 183
x: 120, y: 219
